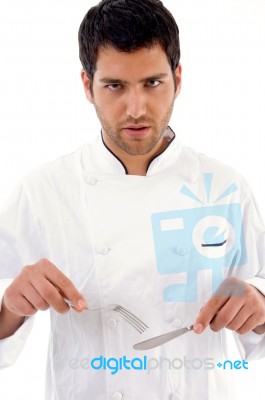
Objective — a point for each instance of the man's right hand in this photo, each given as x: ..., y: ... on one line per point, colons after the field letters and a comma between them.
x: 39, y: 287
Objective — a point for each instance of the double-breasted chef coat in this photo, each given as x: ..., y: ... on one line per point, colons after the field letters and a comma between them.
x: 159, y: 245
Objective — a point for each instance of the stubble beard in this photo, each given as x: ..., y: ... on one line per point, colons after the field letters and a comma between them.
x: 136, y: 147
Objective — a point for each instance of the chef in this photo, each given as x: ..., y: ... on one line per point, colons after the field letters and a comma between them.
x: 138, y: 219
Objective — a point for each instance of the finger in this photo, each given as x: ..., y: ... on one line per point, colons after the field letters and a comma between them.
x: 66, y: 287
x: 242, y: 316
x: 248, y: 325
x: 208, y: 312
x: 231, y: 287
x: 227, y: 314
x: 246, y: 320
x: 16, y: 302
x: 49, y: 293
x: 20, y: 306
x: 35, y: 298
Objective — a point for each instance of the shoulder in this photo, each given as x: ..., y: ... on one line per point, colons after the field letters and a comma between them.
x: 214, y: 173
x: 203, y: 164
x: 62, y: 172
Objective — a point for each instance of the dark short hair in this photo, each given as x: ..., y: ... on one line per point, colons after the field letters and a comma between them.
x: 127, y: 25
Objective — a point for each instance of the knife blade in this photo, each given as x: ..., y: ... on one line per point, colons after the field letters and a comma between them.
x: 161, y: 339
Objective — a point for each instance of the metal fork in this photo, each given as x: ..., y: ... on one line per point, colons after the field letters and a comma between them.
x: 125, y: 314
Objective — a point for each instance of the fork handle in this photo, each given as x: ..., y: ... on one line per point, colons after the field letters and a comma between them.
x: 70, y: 304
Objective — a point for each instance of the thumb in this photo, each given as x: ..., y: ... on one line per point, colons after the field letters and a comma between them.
x: 198, y: 326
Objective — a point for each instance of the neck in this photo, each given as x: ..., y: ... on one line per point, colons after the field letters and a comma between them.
x: 136, y: 164
x: 136, y: 167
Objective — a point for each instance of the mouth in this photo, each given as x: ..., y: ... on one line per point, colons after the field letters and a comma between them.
x: 137, y: 131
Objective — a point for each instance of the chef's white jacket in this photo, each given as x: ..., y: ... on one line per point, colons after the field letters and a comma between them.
x: 135, y: 241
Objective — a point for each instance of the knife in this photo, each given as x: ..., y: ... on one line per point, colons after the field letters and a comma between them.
x: 161, y: 339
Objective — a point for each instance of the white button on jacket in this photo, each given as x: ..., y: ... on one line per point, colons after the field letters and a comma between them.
x: 117, y: 396
x: 111, y: 322
x: 91, y: 180
x: 177, y: 323
x: 104, y: 250
x: 186, y: 201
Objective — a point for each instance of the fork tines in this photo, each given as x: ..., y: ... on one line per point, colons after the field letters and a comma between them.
x: 139, y: 325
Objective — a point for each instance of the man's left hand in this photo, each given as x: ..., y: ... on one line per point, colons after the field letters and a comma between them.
x: 235, y: 305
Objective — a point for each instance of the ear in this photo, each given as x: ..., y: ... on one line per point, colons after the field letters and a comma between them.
x: 87, y: 86
x: 178, y: 77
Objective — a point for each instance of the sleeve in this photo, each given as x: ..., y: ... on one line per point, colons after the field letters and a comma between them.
x: 11, y: 347
x: 20, y: 242
x: 20, y: 245
x: 252, y: 345
x: 258, y: 283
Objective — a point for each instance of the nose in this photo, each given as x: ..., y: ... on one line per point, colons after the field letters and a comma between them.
x: 136, y: 104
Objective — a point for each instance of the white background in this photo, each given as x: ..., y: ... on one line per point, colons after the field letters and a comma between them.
x: 44, y: 114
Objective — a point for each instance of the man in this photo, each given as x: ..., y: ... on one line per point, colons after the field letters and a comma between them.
x: 133, y: 218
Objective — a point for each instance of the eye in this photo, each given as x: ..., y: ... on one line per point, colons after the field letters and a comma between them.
x: 153, y: 83
x: 114, y: 87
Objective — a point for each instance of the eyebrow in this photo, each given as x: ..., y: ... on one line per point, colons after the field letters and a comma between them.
x: 121, y: 81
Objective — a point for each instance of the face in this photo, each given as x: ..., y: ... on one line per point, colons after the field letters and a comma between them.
x: 133, y: 94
